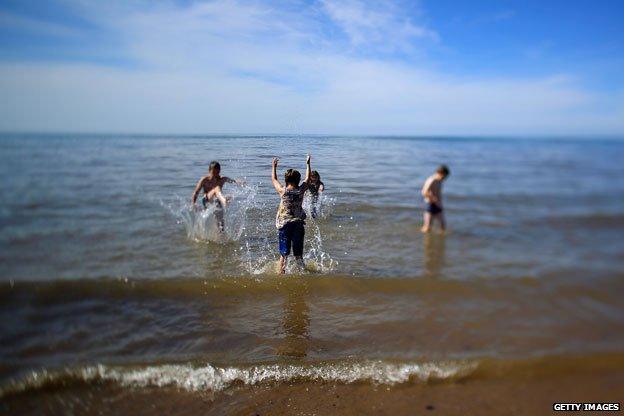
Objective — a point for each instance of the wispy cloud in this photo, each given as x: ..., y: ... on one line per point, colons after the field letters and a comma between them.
x: 381, y: 24
x: 253, y: 66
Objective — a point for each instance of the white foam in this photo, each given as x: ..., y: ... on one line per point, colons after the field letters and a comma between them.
x: 212, y: 378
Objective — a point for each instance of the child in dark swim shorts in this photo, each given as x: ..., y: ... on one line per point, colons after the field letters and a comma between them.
x: 432, y: 193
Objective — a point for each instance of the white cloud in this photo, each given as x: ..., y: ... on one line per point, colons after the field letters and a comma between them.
x: 383, y: 25
x: 249, y: 67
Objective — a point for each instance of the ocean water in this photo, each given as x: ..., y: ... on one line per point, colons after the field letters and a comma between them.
x: 108, y: 275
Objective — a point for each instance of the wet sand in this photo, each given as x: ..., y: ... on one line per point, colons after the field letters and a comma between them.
x: 482, y: 397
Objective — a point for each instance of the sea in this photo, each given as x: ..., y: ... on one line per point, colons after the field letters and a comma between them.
x: 113, y: 285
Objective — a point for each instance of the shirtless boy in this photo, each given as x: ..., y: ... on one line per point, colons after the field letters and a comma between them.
x: 211, y: 185
x: 290, y: 218
x: 432, y: 193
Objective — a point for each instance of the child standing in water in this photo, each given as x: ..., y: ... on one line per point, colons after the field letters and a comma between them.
x: 290, y: 219
x: 432, y: 193
x: 211, y: 185
x: 315, y: 188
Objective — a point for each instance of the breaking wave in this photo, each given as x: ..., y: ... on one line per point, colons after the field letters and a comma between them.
x: 211, y: 378
x: 214, y: 379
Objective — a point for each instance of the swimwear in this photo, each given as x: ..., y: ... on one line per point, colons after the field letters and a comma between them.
x: 292, y: 235
x: 215, y: 201
x: 433, y: 209
x: 218, y: 211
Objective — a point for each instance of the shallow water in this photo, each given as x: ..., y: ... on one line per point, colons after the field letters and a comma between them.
x: 108, y: 275
x: 117, y: 206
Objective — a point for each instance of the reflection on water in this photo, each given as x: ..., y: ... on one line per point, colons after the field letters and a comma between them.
x: 295, y: 321
x: 434, y: 246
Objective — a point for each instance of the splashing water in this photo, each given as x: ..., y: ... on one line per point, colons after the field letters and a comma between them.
x: 264, y: 260
x: 261, y: 255
x: 249, y: 221
x: 202, y: 224
x: 321, y: 208
x: 316, y: 259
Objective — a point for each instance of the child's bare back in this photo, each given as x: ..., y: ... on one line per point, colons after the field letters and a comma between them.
x: 432, y: 194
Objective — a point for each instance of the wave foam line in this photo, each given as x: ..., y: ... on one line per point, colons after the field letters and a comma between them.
x: 210, y: 378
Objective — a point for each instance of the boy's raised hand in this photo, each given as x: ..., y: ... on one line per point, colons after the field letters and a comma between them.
x: 308, y: 159
x: 276, y: 183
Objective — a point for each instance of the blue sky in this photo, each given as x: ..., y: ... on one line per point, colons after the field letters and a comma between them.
x: 326, y: 66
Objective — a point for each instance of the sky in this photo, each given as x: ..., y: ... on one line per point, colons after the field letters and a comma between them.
x: 428, y: 67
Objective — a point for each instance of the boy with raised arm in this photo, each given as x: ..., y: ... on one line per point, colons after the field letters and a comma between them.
x: 211, y: 185
x: 432, y: 193
x: 290, y: 218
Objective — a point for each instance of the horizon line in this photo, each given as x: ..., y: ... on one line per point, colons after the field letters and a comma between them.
x: 578, y: 136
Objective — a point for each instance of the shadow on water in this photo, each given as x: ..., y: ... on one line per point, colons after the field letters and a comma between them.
x: 295, y: 321
x: 434, y: 247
